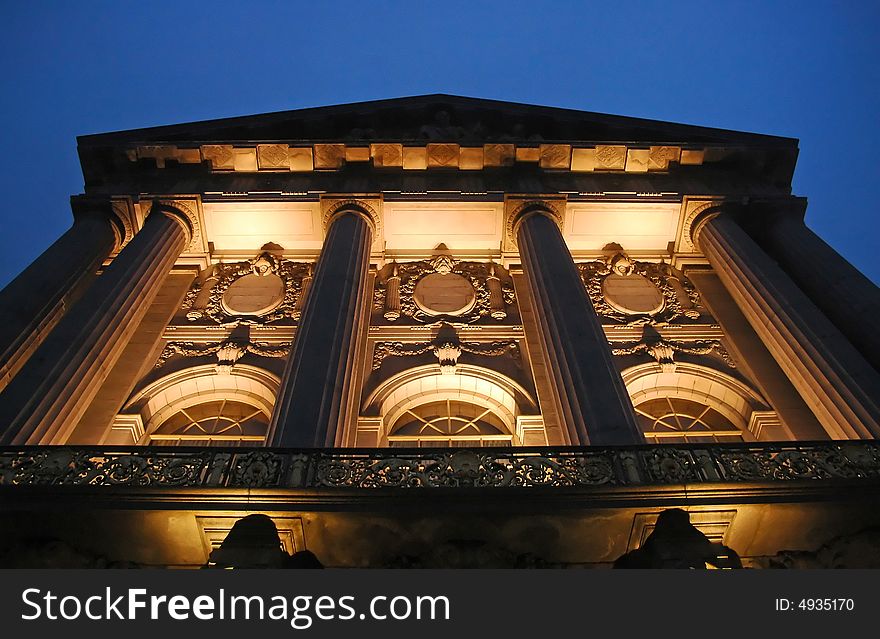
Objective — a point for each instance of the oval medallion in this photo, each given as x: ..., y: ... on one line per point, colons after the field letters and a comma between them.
x: 632, y: 294
x: 254, y: 294
x: 449, y: 294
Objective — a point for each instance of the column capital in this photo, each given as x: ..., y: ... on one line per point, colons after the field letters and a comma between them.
x: 697, y: 218
x: 764, y: 213
x: 180, y: 213
x: 368, y: 209
x: 113, y: 211
x: 516, y: 211
x: 186, y: 210
x: 751, y: 213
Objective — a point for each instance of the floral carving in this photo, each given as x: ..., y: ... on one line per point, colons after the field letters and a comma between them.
x: 228, y: 351
x: 500, y: 348
x: 662, y: 350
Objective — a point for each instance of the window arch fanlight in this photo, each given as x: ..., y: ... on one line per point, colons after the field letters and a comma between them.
x: 423, y: 408
x: 692, y: 404
x: 200, y: 407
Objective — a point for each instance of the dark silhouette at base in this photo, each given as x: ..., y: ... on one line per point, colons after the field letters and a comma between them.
x: 676, y: 543
x: 253, y: 542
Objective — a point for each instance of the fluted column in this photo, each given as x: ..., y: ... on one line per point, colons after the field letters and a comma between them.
x: 304, y: 286
x: 310, y: 409
x: 32, y: 303
x: 54, y: 389
x: 592, y: 398
x: 835, y: 381
x: 392, y: 295
x: 849, y: 299
x: 496, y: 295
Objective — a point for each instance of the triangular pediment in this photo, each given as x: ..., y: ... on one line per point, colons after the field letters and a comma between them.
x: 441, y: 118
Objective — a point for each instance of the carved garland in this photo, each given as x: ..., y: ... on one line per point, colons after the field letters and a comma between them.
x: 193, y: 349
x: 662, y: 350
x: 501, y: 348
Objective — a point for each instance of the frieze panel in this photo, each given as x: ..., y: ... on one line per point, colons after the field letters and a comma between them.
x: 637, y: 293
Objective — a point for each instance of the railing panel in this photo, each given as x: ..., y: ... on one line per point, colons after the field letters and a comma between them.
x: 438, y: 468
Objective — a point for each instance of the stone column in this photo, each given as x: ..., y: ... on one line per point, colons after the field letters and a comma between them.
x: 849, y: 299
x: 836, y: 382
x: 33, y: 302
x: 310, y: 409
x: 594, y: 404
x: 54, y: 389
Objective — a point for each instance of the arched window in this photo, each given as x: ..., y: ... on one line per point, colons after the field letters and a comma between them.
x: 422, y: 407
x: 697, y: 404
x: 669, y: 420
x: 200, y: 407
x: 449, y: 423
x: 222, y: 422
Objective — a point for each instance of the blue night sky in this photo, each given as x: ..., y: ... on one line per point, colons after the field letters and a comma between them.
x: 801, y: 69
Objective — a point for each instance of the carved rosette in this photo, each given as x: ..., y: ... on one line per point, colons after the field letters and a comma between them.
x: 680, y: 298
x: 294, y: 275
x: 394, y: 294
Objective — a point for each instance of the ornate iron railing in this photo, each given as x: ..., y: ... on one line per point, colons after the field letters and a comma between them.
x: 437, y: 468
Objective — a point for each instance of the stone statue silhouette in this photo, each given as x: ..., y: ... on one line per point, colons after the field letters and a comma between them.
x: 253, y: 542
x: 676, y: 543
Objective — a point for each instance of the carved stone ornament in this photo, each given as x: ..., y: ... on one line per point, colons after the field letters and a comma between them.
x: 261, y: 290
x: 636, y: 293
x: 228, y: 352
x: 443, y: 289
x: 124, y: 212
x: 446, y: 352
x: 663, y: 350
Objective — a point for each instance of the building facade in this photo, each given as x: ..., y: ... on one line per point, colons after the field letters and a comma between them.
x: 438, y: 331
